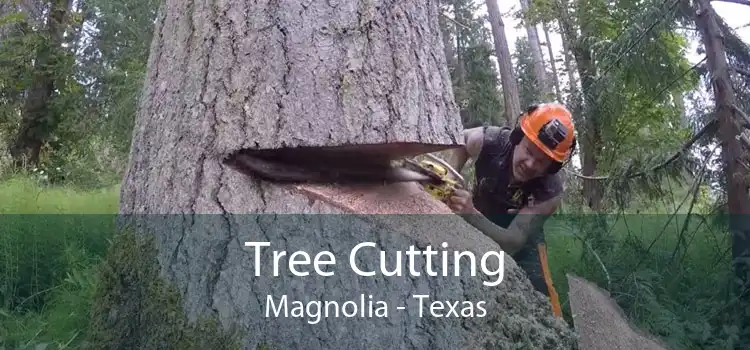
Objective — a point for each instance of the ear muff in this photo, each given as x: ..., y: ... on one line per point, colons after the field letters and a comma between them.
x: 557, y: 166
x: 516, y: 135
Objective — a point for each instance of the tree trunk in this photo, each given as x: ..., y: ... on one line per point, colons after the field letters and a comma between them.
x: 460, y: 64
x: 586, y: 111
x: 229, y: 76
x: 591, y: 140
x: 448, y: 45
x: 508, y: 80
x: 569, y: 68
x: 536, y: 55
x: 272, y: 89
x: 38, y: 119
x: 738, y: 201
x: 555, y: 80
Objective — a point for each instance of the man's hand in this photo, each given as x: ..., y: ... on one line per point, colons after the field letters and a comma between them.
x: 461, y: 202
x: 512, y: 239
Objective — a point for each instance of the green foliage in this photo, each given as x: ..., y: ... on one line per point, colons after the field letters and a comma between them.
x: 669, y: 273
x: 64, y: 321
x: 475, y: 79
x: 117, y: 65
x: 17, y: 51
x: 47, y: 261
x: 636, y: 66
x: 35, y: 242
x: 54, y: 278
x: 97, y: 85
x: 480, y: 91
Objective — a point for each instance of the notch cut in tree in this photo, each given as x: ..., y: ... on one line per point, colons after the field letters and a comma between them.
x: 229, y: 77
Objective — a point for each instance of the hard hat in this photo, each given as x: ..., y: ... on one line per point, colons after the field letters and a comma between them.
x: 550, y: 127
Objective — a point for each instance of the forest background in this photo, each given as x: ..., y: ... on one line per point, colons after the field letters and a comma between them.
x: 638, y: 220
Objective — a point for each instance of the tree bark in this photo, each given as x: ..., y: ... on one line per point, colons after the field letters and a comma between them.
x: 508, y: 80
x: 229, y: 76
x: 737, y: 187
x: 345, y: 76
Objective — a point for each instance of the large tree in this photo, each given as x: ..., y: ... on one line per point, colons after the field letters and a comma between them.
x: 730, y: 118
x: 224, y: 77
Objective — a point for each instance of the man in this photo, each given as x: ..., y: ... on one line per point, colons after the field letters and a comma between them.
x: 518, y: 186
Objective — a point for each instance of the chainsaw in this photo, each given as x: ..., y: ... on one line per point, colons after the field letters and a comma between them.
x: 442, y: 185
x: 334, y: 165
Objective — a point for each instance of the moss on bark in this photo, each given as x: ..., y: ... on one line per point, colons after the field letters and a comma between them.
x: 135, y: 308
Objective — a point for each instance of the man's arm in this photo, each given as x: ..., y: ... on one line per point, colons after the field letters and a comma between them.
x: 473, y: 139
x: 529, y: 220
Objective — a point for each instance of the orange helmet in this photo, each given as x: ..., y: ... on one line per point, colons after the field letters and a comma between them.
x: 550, y: 127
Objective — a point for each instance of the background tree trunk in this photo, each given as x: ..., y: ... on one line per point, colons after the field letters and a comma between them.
x: 38, y: 119
x: 507, y: 79
x: 448, y: 45
x: 553, y: 64
x: 569, y: 68
x: 733, y: 157
x: 460, y: 70
x: 231, y: 76
x: 584, y: 109
x: 536, y: 55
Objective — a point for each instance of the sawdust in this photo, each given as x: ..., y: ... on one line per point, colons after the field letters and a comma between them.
x: 396, y: 198
x: 391, y: 204
x: 601, y: 323
x: 518, y: 317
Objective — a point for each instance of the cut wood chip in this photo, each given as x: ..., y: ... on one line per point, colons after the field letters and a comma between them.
x: 601, y: 323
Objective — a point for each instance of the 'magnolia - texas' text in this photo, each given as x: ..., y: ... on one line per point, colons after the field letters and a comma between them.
x: 315, y: 310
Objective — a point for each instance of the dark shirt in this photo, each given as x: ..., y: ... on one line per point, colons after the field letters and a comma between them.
x: 493, y: 194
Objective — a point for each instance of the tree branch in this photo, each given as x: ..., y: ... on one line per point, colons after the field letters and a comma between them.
x: 671, y: 159
x: 453, y: 20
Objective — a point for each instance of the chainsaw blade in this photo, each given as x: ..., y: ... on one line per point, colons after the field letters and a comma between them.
x: 416, y: 167
x: 324, y: 172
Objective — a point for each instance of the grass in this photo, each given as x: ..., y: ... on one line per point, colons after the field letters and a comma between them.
x: 47, y: 261
x: 670, y: 277
x: 24, y: 196
x: 47, y: 265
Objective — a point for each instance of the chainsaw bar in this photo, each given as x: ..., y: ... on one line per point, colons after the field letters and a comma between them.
x: 412, y: 165
x: 325, y: 170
